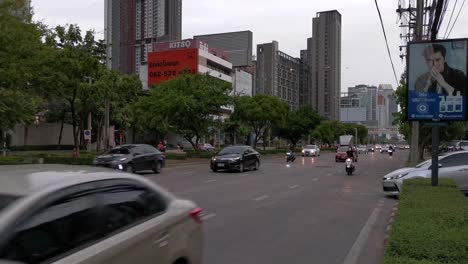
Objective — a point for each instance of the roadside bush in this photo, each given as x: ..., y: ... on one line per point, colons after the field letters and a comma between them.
x: 431, y: 226
x: 273, y: 151
x: 69, y: 160
x: 176, y: 156
x: 42, y: 147
x: 12, y: 160
x: 200, y: 154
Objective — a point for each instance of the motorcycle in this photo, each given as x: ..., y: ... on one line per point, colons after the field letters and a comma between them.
x: 390, y: 152
x: 349, y: 166
x: 290, y: 157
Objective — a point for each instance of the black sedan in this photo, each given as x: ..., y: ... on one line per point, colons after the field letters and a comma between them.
x: 132, y: 158
x: 236, y: 158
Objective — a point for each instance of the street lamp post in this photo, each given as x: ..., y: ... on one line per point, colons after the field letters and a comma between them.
x: 355, y: 130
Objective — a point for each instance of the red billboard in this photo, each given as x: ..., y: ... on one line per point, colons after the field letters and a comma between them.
x: 166, y: 65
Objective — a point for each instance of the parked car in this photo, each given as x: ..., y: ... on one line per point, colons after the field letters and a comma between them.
x: 310, y: 150
x: 453, y: 165
x: 341, y: 154
x: 205, y: 147
x: 132, y: 158
x: 370, y: 148
x: 84, y: 214
x: 236, y: 158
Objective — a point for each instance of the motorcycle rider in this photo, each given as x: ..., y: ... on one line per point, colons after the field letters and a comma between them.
x: 290, y: 154
x: 350, y: 153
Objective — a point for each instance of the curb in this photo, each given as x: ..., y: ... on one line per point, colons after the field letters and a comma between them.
x: 390, y: 223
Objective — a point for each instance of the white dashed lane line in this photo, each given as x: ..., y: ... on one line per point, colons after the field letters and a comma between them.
x: 207, y: 216
x: 294, y: 187
x: 260, y: 198
x: 315, y: 179
x: 209, y: 181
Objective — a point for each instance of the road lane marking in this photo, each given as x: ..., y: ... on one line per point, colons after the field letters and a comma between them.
x: 207, y: 216
x: 209, y: 181
x: 187, y: 173
x: 294, y: 187
x: 315, y: 179
x: 361, y: 240
x: 260, y: 198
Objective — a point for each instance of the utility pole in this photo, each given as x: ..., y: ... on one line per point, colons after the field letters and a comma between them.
x: 414, y: 153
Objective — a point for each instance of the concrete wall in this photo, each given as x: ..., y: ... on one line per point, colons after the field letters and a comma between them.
x: 42, y: 134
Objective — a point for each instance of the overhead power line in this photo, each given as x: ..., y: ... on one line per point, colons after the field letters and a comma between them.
x: 386, y: 42
x: 456, y: 18
x: 450, y: 20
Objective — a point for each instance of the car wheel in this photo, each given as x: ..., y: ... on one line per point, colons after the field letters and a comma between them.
x: 257, y: 165
x: 241, y: 167
x: 157, y: 167
x: 129, y: 168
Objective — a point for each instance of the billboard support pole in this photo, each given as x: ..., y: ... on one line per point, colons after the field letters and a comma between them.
x: 435, y: 154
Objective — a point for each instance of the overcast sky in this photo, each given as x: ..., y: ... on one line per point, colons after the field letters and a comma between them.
x: 364, y: 54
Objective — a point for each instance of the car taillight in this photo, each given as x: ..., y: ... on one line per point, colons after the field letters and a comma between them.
x: 195, y: 214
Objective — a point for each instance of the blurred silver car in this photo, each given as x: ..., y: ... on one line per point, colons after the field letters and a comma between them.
x: 310, y: 150
x: 78, y: 214
x: 453, y: 165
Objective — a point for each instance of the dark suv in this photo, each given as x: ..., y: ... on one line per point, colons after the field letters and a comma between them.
x: 132, y: 158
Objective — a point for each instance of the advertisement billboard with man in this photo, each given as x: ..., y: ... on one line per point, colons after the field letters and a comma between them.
x: 437, y: 80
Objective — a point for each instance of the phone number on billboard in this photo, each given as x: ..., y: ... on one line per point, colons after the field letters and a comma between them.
x: 170, y: 73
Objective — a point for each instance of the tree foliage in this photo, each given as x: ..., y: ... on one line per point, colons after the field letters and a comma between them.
x: 188, y: 105
x: 260, y: 112
x: 299, y: 124
x: 20, y: 51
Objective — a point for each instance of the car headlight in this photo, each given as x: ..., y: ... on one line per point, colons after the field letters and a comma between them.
x: 303, y: 151
x: 213, y: 159
x: 401, y: 175
x: 235, y: 159
x: 120, y: 167
x: 388, y: 178
x: 122, y: 159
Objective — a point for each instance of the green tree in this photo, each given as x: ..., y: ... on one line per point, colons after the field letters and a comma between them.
x: 235, y: 130
x: 300, y: 123
x: 21, y: 52
x: 260, y: 113
x: 188, y: 105
x: 71, y: 60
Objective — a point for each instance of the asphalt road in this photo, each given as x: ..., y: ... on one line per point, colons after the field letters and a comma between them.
x: 309, y: 212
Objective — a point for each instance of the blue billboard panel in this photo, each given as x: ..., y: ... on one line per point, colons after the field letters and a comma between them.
x: 437, y: 80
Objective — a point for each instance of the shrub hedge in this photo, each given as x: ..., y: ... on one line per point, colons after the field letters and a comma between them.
x: 42, y: 147
x: 176, y: 156
x: 69, y: 160
x: 431, y: 226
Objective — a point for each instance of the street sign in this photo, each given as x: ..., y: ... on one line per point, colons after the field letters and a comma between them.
x: 87, y: 134
x: 437, y: 80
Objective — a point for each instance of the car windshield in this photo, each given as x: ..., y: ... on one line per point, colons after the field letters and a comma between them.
x: 120, y: 151
x: 6, y: 200
x: 231, y: 150
x: 310, y: 147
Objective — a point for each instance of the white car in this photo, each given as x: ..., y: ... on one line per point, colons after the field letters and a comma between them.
x: 453, y: 165
x: 310, y: 150
x: 79, y: 214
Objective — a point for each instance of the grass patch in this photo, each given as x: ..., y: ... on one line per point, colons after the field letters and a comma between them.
x: 431, y: 226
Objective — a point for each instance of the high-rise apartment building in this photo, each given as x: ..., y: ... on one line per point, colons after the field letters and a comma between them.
x: 325, y: 59
x: 277, y: 74
x: 132, y: 26
x: 305, y: 95
x: 367, y: 96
